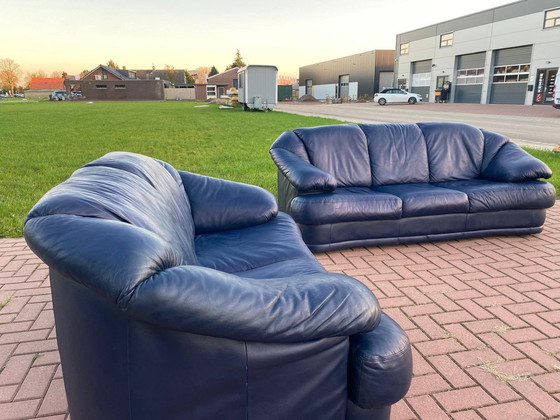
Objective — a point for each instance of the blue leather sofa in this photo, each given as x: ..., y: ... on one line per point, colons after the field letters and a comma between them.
x: 375, y: 184
x: 179, y: 296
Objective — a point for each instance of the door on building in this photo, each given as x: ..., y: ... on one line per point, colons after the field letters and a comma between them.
x: 442, y: 85
x: 421, y: 78
x: 309, y: 87
x: 544, y: 86
x: 344, y: 86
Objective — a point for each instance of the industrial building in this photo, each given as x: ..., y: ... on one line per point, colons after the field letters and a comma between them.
x: 348, y: 77
x: 506, y: 55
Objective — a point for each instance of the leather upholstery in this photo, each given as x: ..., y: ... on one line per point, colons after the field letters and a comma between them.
x: 342, y: 152
x: 180, y: 296
x: 428, y: 180
x: 397, y: 152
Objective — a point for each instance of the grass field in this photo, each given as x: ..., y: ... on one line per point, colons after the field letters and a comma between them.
x: 42, y: 143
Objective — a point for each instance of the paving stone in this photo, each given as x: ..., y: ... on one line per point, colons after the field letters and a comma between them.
x: 463, y: 399
x: 511, y: 410
x: 427, y: 408
x: 539, y: 398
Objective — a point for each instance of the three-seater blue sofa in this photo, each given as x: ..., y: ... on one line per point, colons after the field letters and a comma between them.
x: 374, y: 184
x: 180, y: 296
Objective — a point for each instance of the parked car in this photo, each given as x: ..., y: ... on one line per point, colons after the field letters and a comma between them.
x: 76, y: 94
x: 396, y: 96
x: 59, y: 95
x: 19, y: 95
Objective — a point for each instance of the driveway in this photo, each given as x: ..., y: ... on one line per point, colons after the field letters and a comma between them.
x: 536, y: 126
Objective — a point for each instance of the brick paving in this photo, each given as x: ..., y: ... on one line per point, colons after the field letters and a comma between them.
x: 483, y: 316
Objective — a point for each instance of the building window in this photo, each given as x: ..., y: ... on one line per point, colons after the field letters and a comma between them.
x: 100, y: 86
x: 210, y: 91
x: 120, y: 86
x: 512, y: 74
x: 421, y: 79
x: 446, y: 40
x: 552, y: 18
x: 404, y: 49
x: 470, y: 76
x: 235, y: 83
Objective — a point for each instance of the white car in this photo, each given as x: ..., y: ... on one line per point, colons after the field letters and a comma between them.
x: 389, y: 96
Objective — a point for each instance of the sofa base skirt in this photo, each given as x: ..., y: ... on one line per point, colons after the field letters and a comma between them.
x: 446, y: 227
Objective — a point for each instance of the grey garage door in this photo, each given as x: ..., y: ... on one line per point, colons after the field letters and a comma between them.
x: 421, y: 78
x: 510, y: 75
x: 470, y: 78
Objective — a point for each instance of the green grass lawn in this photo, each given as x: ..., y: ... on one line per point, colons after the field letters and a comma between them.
x: 42, y: 143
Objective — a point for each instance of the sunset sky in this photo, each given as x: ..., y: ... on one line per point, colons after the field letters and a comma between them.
x: 74, y: 35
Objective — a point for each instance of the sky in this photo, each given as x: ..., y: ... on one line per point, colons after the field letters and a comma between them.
x: 76, y: 35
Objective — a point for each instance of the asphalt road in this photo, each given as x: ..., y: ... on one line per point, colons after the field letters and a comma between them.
x: 536, y: 126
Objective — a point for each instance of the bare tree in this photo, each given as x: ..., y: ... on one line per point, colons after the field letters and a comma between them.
x: 10, y: 73
x: 171, y: 73
x: 202, y: 74
x: 29, y: 76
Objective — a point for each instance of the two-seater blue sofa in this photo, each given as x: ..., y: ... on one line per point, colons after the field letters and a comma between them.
x: 374, y: 184
x: 179, y: 296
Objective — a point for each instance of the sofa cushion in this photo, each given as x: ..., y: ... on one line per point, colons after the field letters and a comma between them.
x: 487, y: 196
x: 256, y: 247
x: 397, y: 153
x: 455, y: 150
x: 345, y: 205
x: 340, y: 150
x: 130, y: 188
x: 427, y: 199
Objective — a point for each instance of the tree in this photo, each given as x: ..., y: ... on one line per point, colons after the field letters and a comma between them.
x: 29, y: 76
x: 83, y: 73
x: 62, y: 74
x: 111, y: 63
x: 189, y: 77
x: 9, y: 74
x: 202, y: 74
x: 237, y: 61
x: 171, y: 73
x: 213, y: 71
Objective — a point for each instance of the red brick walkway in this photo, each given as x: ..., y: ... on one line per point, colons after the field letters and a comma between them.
x: 483, y: 316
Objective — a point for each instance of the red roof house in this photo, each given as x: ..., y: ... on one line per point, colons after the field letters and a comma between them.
x: 50, y: 83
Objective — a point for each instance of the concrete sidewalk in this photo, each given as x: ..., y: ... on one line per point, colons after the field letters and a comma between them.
x: 483, y: 316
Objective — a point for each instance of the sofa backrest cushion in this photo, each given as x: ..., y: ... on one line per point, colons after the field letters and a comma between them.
x: 340, y: 150
x: 130, y: 188
x: 397, y: 153
x: 455, y: 150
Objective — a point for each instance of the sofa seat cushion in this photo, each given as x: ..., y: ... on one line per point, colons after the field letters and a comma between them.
x: 256, y: 247
x: 487, y: 196
x: 345, y: 205
x: 427, y: 199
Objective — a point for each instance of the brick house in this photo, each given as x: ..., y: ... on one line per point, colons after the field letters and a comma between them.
x: 108, y: 83
x: 216, y: 87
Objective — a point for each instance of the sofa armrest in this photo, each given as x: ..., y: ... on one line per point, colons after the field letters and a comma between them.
x: 513, y: 164
x: 302, y: 175
x: 380, y: 366
x: 218, y: 204
x: 204, y: 301
x: 148, y: 282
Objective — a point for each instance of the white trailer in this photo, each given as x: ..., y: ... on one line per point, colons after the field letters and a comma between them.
x: 258, y: 87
